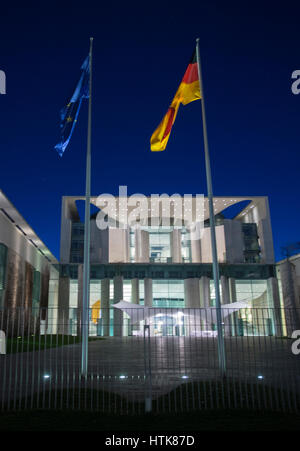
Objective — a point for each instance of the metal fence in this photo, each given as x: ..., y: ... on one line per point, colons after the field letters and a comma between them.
x: 165, y: 361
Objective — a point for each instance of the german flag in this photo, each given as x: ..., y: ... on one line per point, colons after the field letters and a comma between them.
x: 189, y: 90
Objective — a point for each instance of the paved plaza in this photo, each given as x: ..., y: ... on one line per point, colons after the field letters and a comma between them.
x: 119, y: 365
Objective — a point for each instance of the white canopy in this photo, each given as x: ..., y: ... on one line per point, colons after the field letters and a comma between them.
x: 138, y: 312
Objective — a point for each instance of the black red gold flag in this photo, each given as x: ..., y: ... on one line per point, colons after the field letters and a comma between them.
x: 188, y: 91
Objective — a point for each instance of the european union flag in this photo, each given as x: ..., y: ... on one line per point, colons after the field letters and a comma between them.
x: 69, y: 113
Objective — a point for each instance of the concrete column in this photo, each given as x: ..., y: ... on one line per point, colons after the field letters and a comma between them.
x: 53, y: 302
x: 118, y: 246
x: 135, y: 292
x: 225, y: 299
x: 135, y: 300
x: 234, y: 241
x: 145, y: 246
x: 95, y: 248
x: 192, y: 293
x: 206, y: 252
x: 232, y: 290
x: 193, y: 322
x: 232, y: 298
x: 141, y: 245
x: 79, y: 298
x: 195, y: 251
x: 137, y: 244
x: 118, y: 314
x: 148, y: 292
x: 204, y: 291
x: 105, y: 307
x: 104, y: 245
x: 127, y: 244
x: 99, y: 244
x: 289, y: 294
x: 65, y: 230
x: 63, y: 305
x: 204, y: 285
x: 273, y: 291
x: 176, y: 246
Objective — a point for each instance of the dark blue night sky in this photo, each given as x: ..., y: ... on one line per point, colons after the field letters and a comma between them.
x: 141, y: 49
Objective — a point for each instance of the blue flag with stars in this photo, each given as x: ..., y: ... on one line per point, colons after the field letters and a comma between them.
x: 69, y: 113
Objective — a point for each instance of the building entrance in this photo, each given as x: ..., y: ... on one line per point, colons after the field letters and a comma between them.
x: 168, y: 325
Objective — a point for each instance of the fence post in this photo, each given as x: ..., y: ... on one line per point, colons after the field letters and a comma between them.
x: 147, y: 363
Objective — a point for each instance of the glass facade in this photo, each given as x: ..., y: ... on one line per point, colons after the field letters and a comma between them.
x: 253, y: 291
x: 185, y: 247
x: 127, y: 290
x: 160, y: 244
x: 53, y: 301
x: 95, y: 307
x: 258, y: 318
x: 95, y: 313
x: 77, y: 242
x: 251, y: 245
x: 168, y: 293
x: 250, y: 238
x: 73, y: 304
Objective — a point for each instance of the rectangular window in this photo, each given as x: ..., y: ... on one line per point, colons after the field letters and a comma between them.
x: 168, y: 293
x: 160, y: 245
x: 127, y: 290
x: 185, y: 247
x: 132, y: 245
x: 251, y: 244
x: 77, y: 242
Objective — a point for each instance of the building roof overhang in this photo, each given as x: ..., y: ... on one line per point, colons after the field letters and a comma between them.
x: 11, y: 213
x: 220, y: 204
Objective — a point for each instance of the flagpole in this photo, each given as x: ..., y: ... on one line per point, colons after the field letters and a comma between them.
x: 86, y: 258
x: 221, y: 348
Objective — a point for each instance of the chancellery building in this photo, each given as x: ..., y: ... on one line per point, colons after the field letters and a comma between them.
x: 155, y: 266
x: 159, y: 267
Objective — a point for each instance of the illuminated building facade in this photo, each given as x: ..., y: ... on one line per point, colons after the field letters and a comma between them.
x: 158, y: 266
